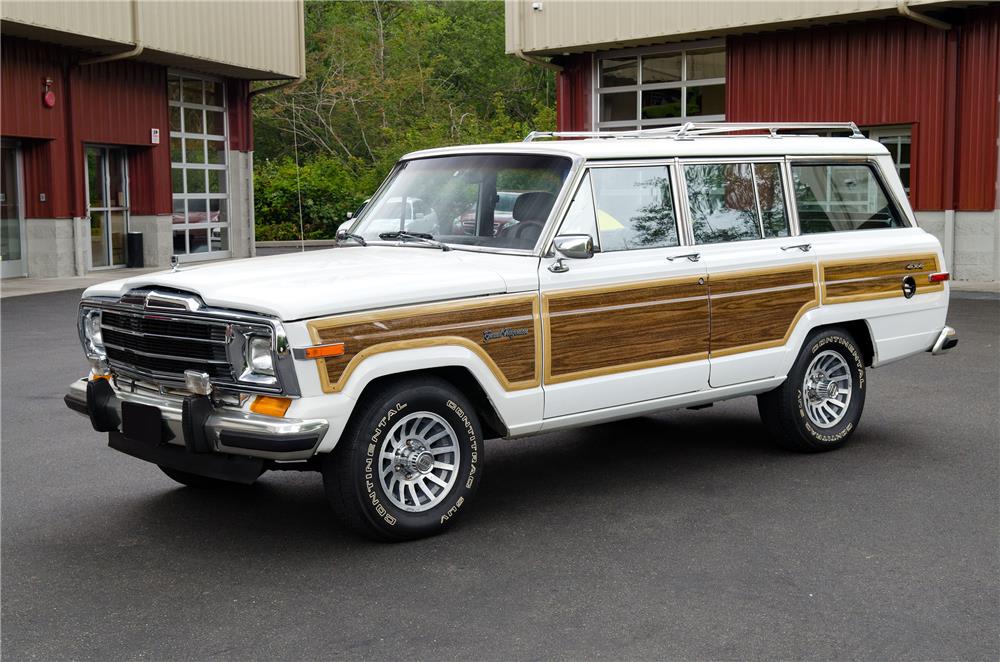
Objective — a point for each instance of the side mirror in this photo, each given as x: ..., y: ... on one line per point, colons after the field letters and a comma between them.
x: 572, y: 246
x: 342, y: 233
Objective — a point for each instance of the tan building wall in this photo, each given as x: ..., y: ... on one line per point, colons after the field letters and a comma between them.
x: 247, y: 38
x: 551, y: 27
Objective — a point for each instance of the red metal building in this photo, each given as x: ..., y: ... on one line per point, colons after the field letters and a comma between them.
x: 925, y: 84
x: 106, y: 133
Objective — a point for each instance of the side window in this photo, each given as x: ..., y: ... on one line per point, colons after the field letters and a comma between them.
x: 836, y: 197
x: 735, y: 201
x: 635, y: 208
x: 580, y: 217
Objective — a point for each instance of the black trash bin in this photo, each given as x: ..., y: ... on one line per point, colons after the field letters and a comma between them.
x: 134, y: 251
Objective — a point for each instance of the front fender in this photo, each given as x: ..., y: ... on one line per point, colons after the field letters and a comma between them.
x: 519, y: 409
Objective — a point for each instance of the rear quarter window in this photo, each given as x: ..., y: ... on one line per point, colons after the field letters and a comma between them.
x: 835, y: 197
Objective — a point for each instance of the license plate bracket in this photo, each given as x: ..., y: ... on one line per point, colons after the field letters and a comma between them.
x: 142, y: 423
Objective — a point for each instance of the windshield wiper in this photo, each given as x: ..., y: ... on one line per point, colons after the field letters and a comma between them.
x: 344, y: 234
x: 422, y: 237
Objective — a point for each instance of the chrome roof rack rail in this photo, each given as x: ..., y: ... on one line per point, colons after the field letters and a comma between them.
x: 691, y: 130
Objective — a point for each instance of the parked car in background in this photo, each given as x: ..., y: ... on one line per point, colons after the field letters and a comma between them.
x: 502, y: 213
x: 393, y: 215
x: 640, y: 271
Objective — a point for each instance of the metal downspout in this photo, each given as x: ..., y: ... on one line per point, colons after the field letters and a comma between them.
x: 902, y: 6
x: 137, y: 47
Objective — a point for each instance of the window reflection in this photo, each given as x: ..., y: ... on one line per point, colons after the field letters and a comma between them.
x: 634, y: 208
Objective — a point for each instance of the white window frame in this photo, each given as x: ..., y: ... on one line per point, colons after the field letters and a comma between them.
x: 683, y: 84
x: 902, y: 133
x: 204, y: 137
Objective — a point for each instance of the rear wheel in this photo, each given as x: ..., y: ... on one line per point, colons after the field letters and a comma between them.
x: 409, y: 463
x: 820, y: 404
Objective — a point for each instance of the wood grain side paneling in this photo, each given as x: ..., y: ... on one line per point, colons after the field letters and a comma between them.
x: 865, y: 279
x: 512, y: 357
x: 599, y: 331
x: 758, y: 309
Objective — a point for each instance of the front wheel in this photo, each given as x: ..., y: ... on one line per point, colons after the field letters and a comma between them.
x: 409, y: 463
x: 820, y: 404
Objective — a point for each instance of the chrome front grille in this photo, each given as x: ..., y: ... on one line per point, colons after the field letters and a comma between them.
x: 154, y: 335
x: 162, y: 348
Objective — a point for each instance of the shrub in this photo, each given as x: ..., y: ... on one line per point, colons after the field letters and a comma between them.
x: 329, y: 191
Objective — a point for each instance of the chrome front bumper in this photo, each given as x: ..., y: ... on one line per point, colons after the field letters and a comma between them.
x: 947, y: 339
x: 227, y: 430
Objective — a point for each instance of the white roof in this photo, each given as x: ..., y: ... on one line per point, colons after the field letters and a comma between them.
x: 702, y: 146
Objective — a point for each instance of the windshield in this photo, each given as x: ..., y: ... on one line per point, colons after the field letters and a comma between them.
x: 487, y: 200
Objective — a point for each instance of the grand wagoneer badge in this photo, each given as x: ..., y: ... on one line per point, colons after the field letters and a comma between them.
x: 506, y: 332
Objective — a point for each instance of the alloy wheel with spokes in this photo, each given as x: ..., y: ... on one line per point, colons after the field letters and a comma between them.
x: 418, y: 461
x: 826, y: 389
x: 410, y: 463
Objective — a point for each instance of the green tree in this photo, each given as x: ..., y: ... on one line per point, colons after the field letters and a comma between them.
x: 385, y: 78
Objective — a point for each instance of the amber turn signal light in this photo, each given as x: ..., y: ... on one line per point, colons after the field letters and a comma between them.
x: 324, y: 351
x: 939, y: 277
x: 270, y: 406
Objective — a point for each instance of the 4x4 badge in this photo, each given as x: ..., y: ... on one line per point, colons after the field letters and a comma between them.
x: 913, y: 266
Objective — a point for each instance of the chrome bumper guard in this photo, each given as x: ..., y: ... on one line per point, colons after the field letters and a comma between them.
x: 226, y: 429
x: 947, y: 339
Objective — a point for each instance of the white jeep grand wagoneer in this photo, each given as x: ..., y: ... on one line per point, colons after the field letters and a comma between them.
x: 634, y: 272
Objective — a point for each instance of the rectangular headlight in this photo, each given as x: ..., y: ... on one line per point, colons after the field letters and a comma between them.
x: 260, y: 360
x: 90, y: 333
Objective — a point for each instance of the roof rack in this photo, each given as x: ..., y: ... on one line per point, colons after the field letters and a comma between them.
x: 691, y: 130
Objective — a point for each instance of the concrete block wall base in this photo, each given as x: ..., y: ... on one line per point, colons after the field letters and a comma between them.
x: 50, y: 247
x: 971, y: 242
x: 157, y: 239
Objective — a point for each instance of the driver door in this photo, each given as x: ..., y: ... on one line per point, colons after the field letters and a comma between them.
x: 630, y: 324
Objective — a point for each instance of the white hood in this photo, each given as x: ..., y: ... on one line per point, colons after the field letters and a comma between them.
x: 338, y: 280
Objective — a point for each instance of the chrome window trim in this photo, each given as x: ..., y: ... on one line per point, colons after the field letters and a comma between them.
x: 284, y: 363
x: 794, y: 230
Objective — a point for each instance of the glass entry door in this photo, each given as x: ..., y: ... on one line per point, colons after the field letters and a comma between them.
x: 12, y: 217
x: 107, y: 205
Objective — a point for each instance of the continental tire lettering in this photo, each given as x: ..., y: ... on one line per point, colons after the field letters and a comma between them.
x: 473, y: 445
x: 829, y: 438
x: 454, y: 509
x: 369, y: 459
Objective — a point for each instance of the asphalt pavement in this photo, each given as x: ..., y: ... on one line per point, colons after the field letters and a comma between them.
x: 685, y: 535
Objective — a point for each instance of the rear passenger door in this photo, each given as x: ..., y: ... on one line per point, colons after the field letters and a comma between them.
x: 630, y: 324
x: 761, y: 278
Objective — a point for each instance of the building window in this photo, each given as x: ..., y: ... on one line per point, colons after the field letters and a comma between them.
x: 648, y: 88
x: 198, y: 160
x: 897, y: 141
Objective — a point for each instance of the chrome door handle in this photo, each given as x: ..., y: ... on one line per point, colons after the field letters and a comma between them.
x: 694, y: 257
x: 802, y: 247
